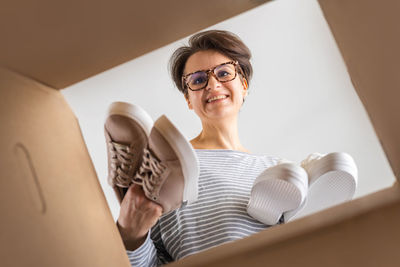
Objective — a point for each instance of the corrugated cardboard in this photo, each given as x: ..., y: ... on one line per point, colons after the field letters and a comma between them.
x: 63, y: 42
x: 53, y: 210
x: 362, y: 232
x: 368, y: 35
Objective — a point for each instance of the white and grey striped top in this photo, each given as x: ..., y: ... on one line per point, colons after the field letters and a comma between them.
x: 218, y: 216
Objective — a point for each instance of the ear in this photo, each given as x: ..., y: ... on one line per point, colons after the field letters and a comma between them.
x: 188, y: 100
x: 245, y: 84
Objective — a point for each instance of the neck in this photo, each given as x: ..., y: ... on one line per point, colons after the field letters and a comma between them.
x: 222, y: 134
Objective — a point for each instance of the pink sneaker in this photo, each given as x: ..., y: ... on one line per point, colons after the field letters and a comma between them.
x: 126, y: 129
x: 169, y: 171
x: 157, y: 157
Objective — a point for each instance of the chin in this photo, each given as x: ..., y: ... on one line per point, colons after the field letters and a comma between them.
x: 222, y: 114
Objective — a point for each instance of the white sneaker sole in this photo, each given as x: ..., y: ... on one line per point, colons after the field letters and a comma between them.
x: 277, y: 190
x: 333, y: 180
x: 136, y: 113
x: 186, y: 155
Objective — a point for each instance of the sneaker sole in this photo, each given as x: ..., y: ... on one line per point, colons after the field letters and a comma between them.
x: 186, y: 156
x: 332, y: 181
x: 277, y: 190
x: 136, y: 113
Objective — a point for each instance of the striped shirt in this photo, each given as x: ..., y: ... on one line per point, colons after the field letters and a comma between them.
x: 217, y: 217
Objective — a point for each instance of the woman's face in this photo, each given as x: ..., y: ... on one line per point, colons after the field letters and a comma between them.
x: 230, y: 94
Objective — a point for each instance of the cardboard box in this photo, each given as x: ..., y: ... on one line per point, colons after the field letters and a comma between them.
x: 362, y: 232
x: 53, y: 210
x: 59, y: 43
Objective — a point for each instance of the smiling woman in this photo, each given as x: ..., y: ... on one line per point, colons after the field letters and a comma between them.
x: 214, y: 73
x: 217, y: 105
x: 239, y: 193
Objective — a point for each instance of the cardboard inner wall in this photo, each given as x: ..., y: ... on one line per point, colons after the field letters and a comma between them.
x: 368, y: 35
x: 362, y: 233
x: 53, y: 211
x: 59, y: 43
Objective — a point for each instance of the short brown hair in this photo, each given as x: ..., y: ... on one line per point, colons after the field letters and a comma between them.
x: 223, y: 42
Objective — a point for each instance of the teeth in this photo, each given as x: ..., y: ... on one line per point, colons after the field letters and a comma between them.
x: 216, y: 98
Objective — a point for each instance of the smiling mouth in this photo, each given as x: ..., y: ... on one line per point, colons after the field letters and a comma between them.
x: 215, y: 98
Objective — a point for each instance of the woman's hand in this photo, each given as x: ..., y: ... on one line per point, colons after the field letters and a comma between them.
x: 137, y: 215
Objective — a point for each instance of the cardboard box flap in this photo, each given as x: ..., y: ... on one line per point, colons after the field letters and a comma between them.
x: 59, y: 43
x: 368, y: 35
x: 53, y: 211
x: 358, y: 233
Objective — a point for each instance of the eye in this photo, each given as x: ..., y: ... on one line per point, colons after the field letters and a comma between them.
x: 223, y: 73
x: 198, y: 78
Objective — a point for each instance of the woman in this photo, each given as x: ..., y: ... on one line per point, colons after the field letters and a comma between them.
x: 213, y: 73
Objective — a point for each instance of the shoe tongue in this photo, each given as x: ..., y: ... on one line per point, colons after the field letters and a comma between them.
x: 306, y: 163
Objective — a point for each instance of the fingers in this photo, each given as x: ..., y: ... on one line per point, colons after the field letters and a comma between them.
x: 136, y: 198
x: 134, y: 192
x: 137, y: 214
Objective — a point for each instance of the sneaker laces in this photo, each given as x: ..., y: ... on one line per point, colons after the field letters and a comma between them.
x: 122, y: 160
x: 149, y: 172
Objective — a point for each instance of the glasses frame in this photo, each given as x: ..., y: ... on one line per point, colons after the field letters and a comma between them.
x: 211, y: 71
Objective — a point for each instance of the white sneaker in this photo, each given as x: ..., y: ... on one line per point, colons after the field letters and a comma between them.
x: 332, y: 180
x: 277, y: 190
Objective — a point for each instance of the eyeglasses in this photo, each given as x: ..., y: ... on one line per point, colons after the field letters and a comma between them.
x: 198, y: 80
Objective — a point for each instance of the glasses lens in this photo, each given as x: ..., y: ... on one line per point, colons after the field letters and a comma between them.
x: 197, y: 80
x: 225, y: 73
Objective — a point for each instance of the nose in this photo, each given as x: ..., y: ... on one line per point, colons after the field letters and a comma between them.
x: 212, y: 82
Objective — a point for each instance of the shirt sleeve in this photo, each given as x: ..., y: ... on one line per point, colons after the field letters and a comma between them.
x: 152, y: 252
x: 162, y: 254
